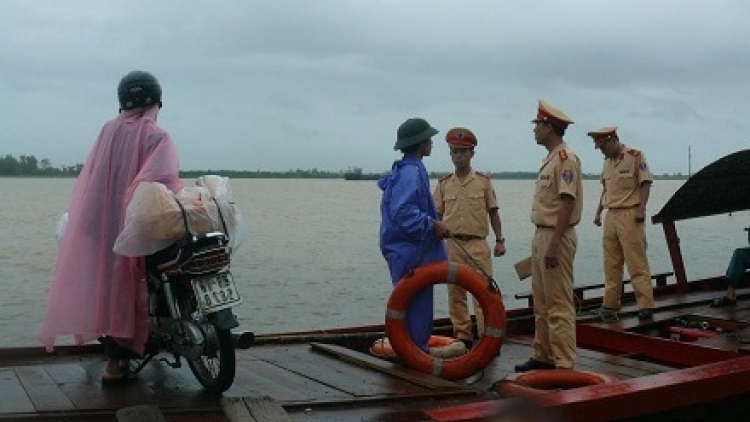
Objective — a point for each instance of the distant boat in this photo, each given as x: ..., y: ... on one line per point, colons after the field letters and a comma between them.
x: 357, y: 174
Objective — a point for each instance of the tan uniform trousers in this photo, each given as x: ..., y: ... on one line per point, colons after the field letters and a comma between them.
x: 554, y: 309
x: 459, y: 308
x: 624, y: 242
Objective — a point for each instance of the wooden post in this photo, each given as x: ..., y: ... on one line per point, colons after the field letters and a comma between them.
x: 675, y: 254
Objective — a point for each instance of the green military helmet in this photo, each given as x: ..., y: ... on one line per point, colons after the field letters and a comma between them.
x: 413, y: 132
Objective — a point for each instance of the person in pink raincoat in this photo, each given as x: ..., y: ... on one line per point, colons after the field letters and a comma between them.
x: 95, y: 293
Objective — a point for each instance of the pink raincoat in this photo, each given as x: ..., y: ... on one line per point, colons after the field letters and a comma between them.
x: 95, y: 292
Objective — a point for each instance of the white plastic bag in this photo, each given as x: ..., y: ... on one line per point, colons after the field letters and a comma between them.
x: 60, y: 228
x: 156, y: 218
x: 227, y: 217
x: 153, y: 221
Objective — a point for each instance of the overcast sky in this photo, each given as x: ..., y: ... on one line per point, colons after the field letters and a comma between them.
x: 280, y: 84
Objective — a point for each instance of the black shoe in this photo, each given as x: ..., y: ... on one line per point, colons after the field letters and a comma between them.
x: 606, y: 314
x: 645, y: 314
x: 468, y: 343
x: 723, y: 301
x: 533, y: 364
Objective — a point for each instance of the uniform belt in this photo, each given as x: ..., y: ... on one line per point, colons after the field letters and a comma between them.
x: 539, y: 226
x: 623, y: 208
x: 466, y: 237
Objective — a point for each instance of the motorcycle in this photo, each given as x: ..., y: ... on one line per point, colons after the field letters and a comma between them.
x: 191, y: 296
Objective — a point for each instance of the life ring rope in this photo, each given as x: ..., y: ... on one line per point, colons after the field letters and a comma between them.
x: 485, y: 292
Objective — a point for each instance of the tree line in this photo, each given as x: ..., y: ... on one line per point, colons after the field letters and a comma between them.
x: 30, y: 166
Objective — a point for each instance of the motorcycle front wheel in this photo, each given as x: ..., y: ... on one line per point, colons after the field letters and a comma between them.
x: 215, y: 367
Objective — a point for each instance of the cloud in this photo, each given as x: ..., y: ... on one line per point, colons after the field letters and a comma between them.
x: 288, y: 84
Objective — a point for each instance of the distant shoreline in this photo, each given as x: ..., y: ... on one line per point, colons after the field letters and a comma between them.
x: 315, y: 174
x: 30, y: 166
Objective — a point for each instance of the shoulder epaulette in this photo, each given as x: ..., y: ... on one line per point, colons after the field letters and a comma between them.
x: 634, y: 152
x: 446, y: 177
x: 563, y: 155
x: 480, y: 174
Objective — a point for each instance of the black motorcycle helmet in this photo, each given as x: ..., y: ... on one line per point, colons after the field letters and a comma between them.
x: 138, y: 89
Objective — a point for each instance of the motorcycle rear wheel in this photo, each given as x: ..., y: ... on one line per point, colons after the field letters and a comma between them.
x: 215, y: 367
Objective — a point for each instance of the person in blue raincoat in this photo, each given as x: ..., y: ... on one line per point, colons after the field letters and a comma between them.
x: 410, y: 232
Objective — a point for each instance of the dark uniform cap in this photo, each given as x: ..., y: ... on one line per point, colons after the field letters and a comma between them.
x: 602, y: 135
x: 547, y: 113
x: 413, y: 132
x: 461, y: 137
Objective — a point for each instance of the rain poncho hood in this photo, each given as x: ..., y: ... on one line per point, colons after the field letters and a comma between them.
x: 93, y: 291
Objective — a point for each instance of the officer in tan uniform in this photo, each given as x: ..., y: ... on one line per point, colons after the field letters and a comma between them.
x: 556, y: 210
x: 626, y: 181
x: 464, y: 199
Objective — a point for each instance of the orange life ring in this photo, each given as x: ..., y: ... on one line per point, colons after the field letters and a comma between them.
x: 544, y: 381
x: 489, y: 298
x: 382, y: 346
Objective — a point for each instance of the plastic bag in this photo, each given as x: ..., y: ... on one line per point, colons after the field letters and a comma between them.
x: 148, y: 217
x: 156, y: 218
x: 60, y: 228
x: 233, y: 223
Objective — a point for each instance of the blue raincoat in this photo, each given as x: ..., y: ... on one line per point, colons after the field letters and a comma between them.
x: 406, y: 237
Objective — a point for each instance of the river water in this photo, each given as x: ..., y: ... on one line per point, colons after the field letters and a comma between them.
x: 311, y: 260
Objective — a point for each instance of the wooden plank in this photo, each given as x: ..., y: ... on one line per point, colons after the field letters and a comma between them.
x: 678, y: 354
x: 638, y: 366
x: 235, y: 410
x: 170, y: 387
x: 253, y: 409
x: 266, y: 409
x: 68, y: 373
x: 263, y: 378
x: 512, y: 353
x: 620, y: 367
x: 13, y: 397
x: 130, y: 392
x: 370, y: 362
x: 142, y: 413
x: 631, y: 398
x: 660, y: 278
x: 17, y: 356
x: 620, y: 372
x: 349, y: 379
x: 42, y: 390
x: 81, y: 383
x: 267, y: 378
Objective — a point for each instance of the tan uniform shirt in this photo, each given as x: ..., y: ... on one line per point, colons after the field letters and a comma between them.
x: 622, y: 177
x: 559, y: 174
x: 464, y: 205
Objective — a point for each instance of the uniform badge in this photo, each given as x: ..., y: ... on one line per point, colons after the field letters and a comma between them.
x: 567, y: 176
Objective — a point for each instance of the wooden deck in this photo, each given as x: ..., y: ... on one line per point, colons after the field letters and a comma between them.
x: 311, y: 381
